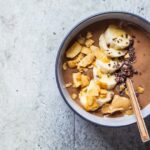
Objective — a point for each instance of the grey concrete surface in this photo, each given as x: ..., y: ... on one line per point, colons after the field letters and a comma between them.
x: 33, y: 115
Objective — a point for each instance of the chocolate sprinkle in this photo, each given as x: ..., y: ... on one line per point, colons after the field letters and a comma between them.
x: 114, y: 39
x: 133, y: 36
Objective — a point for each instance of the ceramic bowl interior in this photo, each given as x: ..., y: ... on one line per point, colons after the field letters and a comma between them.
x: 113, y: 122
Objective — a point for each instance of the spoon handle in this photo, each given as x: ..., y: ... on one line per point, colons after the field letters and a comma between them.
x: 136, y: 108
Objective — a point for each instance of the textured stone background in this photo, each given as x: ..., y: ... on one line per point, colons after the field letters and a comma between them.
x: 33, y: 115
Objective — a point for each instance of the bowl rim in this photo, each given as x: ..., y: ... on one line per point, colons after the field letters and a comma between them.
x: 145, y: 111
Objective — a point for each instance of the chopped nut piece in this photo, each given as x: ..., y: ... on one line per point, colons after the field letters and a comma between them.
x: 87, y: 60
x: 94, y: 106
x: 83, y: 90
x: 68, y: 84
x: 85, y: 80
x: 140, y: 90
x: 85, y: 50
x: 102, y: 96
x: 127, y: 55
x: 80, y: 80
x: 89, y: 103
x: 80, y: 69
x: 76, y: 79
x: 65, y: 66
x: 74, y: 96
x: 88, y: 35
x: 99, y: 73
x: 103, y: 92
x: 93, y: 89
x: 89, y: 42
x: 81, y: 40
x: 79, y: 57
x: 90, y: 100
x: 74, y: 50
x: 94, y: 64
x: 94, y: 48
x: 99, y: 54
x: 98, y: 82
x: 72, y: 64
x: 91, y: 66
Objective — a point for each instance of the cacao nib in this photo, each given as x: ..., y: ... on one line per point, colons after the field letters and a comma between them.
x: 127, y: 69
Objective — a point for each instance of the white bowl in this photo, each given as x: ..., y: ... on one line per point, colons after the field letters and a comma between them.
x: 112, y: 122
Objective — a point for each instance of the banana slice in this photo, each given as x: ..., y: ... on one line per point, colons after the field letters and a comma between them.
x: 106, y: 99
x: 105, y: 63
x: 93, y: 88
x: 87, y: 60
x: 108, y: 67
x: 89, y: 103
x: 96, y: 73
x: 111, y: 52
x: 74, y: 50
x: 88, y: 96
x: 117, y: 38
x: 107, y: 81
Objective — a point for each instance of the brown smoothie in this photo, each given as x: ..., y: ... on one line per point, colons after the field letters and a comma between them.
x: 142, y: 50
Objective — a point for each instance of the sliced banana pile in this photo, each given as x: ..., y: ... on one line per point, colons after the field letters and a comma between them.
x: 114, y: 41
x: 97, y: 92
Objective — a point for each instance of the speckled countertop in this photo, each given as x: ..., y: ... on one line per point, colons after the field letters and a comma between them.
x: 33, y: 115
